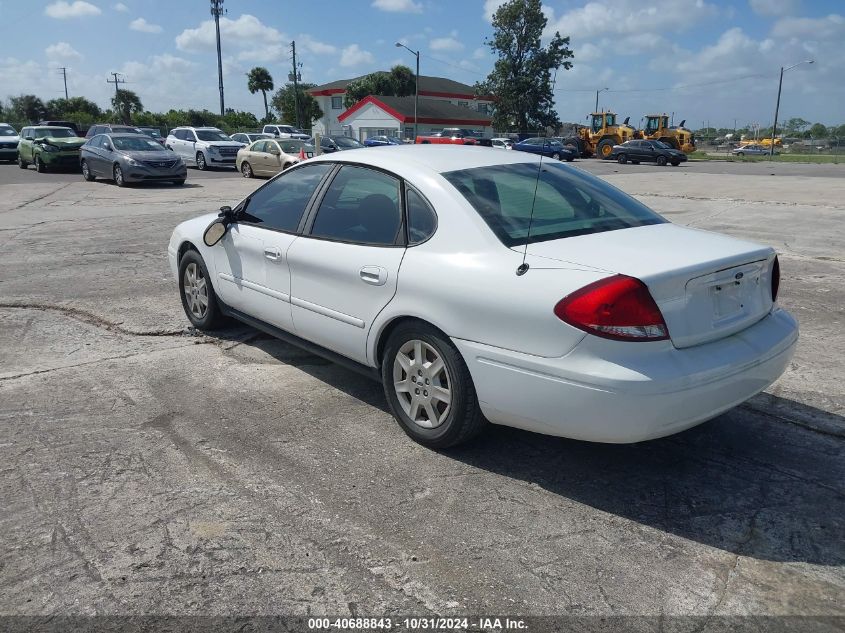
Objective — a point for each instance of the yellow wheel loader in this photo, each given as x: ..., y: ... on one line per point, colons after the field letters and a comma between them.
x: 600, y: 136
x: 678, y: 137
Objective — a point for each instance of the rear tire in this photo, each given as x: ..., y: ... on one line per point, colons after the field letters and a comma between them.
x: 86, y: 172
x: 198, y: 298
x: 621, y: 159
x: 661, y: 161
x: 556, y: 156
x: 429, y: 364
x: 22, y: 163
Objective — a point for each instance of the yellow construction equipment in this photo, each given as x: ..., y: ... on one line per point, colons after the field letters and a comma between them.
x: 678, y: 137
x: 601, y: 135
x: 765, y: 142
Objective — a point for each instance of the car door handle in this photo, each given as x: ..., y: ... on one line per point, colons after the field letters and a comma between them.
x: 273, y: 254
x: 375, y: 275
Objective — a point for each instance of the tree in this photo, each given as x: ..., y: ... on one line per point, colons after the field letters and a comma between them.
x: 794, y: 126
x: 400, y: 81
x: 126, y: 103
x: 818, y: 131
x: 27, y: 107
x: 62, y: 108
x: 521, y: 78
x: 283, y: 102
x: 259, y: 78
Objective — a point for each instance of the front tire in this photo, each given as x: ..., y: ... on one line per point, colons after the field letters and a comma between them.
x: 179, y: 183
x: 246, y: 170
x: 556, y: 156
x: 661, y: 161
x: 675, y: 163
x: 605, y: 148
x: 429, y: 388
x: 86, y: 172
x: 198, y: 298
x: 40, y: 165
x: 117, y: 175
x: 201, y: 164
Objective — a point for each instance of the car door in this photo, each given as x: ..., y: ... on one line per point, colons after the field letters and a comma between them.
x: 272, y: 158
x: 345, y: 266
x: 251, y: 265
x: 91, y: 152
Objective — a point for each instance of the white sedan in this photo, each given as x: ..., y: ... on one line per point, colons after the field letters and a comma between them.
x: 487, y: 286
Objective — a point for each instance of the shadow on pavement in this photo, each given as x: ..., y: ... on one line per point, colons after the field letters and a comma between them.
x: 746, y: 482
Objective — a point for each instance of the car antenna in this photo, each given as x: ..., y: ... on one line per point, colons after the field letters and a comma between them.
x: 523, y: 267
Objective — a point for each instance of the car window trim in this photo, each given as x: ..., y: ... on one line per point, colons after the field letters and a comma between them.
x: 239, y: 209
x: 400, y: 241
x: 405, y: 188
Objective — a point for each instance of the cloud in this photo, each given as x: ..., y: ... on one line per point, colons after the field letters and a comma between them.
x: 120, y: 7
x: 832, y: 26
x: 144, y: 27
x: 63, y: 10
x: 245, y: 32
x: 62, y: 51
x: 773, y: 7
x: 308, y: 43
x: 490, y: 7
x: 629, y: 17
x: 397, y: 6
x: 450, y: 43
x: 352, y: 55
x: 480, y: 53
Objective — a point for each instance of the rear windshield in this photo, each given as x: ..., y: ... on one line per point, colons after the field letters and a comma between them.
x: 567, y: 202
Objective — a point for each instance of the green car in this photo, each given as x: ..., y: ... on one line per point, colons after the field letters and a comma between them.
x: 49, y: 147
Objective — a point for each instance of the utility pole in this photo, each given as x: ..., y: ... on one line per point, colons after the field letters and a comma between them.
x: 597, y: 98
x: 216, y: 11
x: 63, y: 70
x: 416, y: 85
x: 295, y: 77
x: 116, y: 81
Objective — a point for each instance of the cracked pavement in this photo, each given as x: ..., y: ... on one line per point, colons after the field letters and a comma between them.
x: 151, y: 469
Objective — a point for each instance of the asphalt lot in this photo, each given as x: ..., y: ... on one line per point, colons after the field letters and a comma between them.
x: 151, y: 470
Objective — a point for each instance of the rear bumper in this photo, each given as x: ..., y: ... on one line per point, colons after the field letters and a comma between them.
x: 607, y: 391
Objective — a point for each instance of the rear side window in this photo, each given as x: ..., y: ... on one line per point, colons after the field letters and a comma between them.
x: 280, y: 204
x: 361, y: 206
x: 421, y: 219
x: 567, y: 202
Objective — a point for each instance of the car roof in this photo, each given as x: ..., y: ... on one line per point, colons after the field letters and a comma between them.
x: 125, y: 134
x: 431, y: 159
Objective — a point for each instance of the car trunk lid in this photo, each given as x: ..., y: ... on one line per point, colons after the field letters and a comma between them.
x: 707, y: 286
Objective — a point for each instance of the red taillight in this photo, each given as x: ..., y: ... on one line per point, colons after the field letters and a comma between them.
x: 619, y: 308
x: 775, y: 279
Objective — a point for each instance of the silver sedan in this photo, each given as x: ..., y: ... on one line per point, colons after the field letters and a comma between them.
x: 126, y: 158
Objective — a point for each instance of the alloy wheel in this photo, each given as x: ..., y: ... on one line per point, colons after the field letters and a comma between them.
x: 118, y: 176
x: 196, y: 291
x: 246, y: 170
x: 422, y: 384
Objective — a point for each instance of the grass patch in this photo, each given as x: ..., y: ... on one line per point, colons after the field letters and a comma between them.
x: 780, y: 158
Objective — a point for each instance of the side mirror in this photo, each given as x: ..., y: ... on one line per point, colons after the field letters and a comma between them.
x: 215, y: 232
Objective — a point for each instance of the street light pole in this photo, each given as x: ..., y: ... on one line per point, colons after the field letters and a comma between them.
x: 597, y: 98
x: 416, y: 85
x: 216, y: 11
x: 777, y: 105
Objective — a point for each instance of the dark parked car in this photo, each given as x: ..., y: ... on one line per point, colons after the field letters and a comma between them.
x: 127, y: 158
x: 378, y: 141
x: 69, y: 124
x: 153, y: 132
x: 646, y: 151
x: 109, y: 128
x: 329, y: 144
x: 546, y: 147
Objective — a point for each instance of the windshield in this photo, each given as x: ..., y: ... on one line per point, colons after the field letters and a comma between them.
x: 660, y: 144
x: 567, y: 202
x: 136, y: 144
x: 345, y: 141
x: 152, y: 132
x: 212, y: 135
x: 54, y: 132
x: 6, y: 130
x: 258, y: 137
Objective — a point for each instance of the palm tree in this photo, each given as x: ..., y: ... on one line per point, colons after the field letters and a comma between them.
x: 259, y: 78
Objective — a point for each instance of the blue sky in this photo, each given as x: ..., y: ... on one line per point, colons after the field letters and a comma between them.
x: 705, y: 60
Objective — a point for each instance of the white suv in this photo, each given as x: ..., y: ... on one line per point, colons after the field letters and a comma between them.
x: 203, y: 146
x: 285, y: 131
